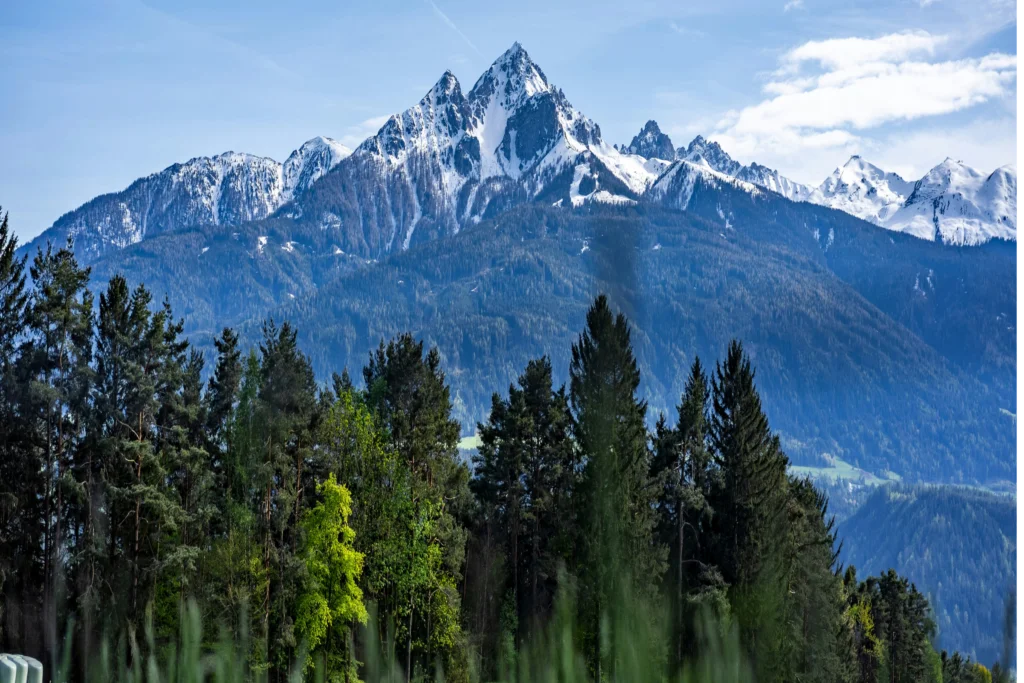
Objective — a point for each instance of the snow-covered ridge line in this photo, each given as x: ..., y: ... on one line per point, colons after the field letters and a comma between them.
x: 953, y: 202
x: 225, y: 189
x: 455, y: 158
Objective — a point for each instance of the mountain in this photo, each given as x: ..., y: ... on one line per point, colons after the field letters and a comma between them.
x: 227, y: 189
x: 893, y: 353
x: 953, y: 203
x: 454, y: 159
x: 770, y: 179
x: 958, y: 205
x: 958, y: 545
x: 710, y: 154
x: 840, y: 373
x: 703, y: 152
x: 651, y: 143
x: 863, y: 190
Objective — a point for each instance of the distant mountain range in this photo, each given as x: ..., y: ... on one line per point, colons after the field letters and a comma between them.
x: 227, y: 189
x: 453, y: 159
x: 952, y: 203
x: 484, y: 222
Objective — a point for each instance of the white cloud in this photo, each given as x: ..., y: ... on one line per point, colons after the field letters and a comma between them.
x: 354, y: 135
x: 793, y: 4
x: 831, y: 93
x: 845, y: 52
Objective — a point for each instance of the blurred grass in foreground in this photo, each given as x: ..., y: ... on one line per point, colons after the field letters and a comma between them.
x: 632, y: 641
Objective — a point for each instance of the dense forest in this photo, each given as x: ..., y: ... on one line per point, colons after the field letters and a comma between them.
x: 147, y: 513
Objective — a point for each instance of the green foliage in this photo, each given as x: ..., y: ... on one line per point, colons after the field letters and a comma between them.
x: 331, y: 599
x: 282, y: 514
x: 615, y: 492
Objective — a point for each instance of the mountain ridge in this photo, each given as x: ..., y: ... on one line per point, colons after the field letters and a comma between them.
x: 453, y: 159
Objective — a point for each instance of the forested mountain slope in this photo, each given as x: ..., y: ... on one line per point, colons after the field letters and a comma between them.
x: 968, y: 574
x: 838, y: 375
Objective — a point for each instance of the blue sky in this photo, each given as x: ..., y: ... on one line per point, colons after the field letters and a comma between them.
x: 97, y: 94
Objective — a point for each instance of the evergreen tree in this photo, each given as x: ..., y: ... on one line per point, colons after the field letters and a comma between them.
x: 17, y: 471
x: 223, y: 385
x: 285, y: 423
x: 190, y: 478
x: 13, y: 298
x: 681, y: 464
x: 138, y: 388
x: 58, y: 377
x: 750, y: 500
x: 524, y: 476
x: 818, y: 619
x: 617, y: 544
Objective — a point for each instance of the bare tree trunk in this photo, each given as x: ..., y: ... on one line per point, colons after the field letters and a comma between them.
x: 408, y: 651
x: 679, y: 582
x: 138, y: 523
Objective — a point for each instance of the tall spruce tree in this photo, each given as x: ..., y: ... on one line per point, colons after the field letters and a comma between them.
x: 524, y: 476
x: 682, y: 465
x: 135, y: 404
x: 57, y: 359
x: 751, y: 501
x: 617, y: 546
x: 286, y: 419
x: 17, y: 470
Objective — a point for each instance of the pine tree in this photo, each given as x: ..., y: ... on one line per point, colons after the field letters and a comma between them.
x: 190, y: 480
x: 18, y: 476
x: 137, y: 432
x: 682, y: 465
x: 58, y: 379
x: 750, y: 500
x: 524, y: 475
x: 223, y: 385
x: 752, y: 493
x: 617, y: 545
x: 285, y: 423
x: 13, y: 298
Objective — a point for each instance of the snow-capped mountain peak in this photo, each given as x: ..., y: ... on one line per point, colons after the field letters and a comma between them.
x: 651, y: 143
x: 454, y: 158
x: 864, y: 190
x: 511, y: 79
x: 702, y: 151
x: 959, y: 205
x: 309, y: 163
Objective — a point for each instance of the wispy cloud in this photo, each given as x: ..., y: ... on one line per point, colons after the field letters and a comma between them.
x: 686, y: 30
x: 354, y: 135
x: 793, y: 4
x: 451, y: 24
x: 827, y: 93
